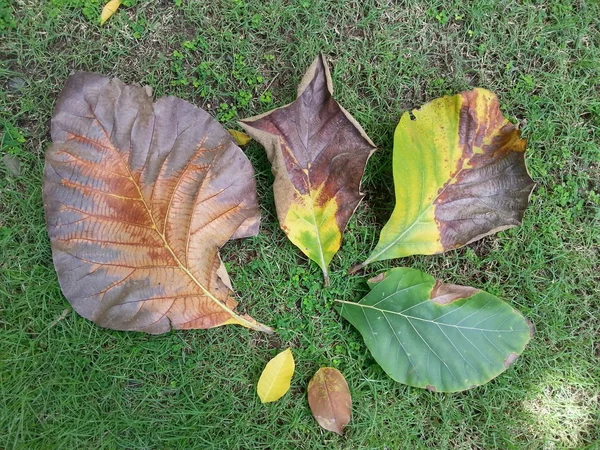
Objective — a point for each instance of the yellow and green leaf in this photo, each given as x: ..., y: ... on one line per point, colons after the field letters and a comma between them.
x: 459, y: 175
x: 275, y: 379
x: 318, y: 154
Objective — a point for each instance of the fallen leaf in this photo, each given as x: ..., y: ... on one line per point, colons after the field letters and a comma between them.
x: 329, y: 399
x: 437, y: 336
x: 459, y: 175
x: 275, y: 379
x: 139, y: 197
x: 13, y: 164
x: 109, y: 9
x: 318, y: 154
x: 240, y: 138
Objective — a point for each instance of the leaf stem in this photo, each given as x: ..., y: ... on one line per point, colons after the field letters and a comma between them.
x: 356, y: 268
x: 327, y: 282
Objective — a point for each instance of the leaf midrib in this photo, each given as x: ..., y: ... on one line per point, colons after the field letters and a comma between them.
x: 417, y: 220
x: 408, y: 317
x: 310, y: 191
x: 206, y: 292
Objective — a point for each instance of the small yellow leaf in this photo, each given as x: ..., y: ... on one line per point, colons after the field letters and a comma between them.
x: 275, y: 380
x: 109, y: 9
x: 240, y: 138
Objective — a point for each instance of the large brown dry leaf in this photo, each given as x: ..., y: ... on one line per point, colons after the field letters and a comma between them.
x: 329, y: 399
x: 139, y: 197
x: 318, y: 154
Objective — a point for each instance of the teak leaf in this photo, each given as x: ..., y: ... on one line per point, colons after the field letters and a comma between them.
x: 459, y: 175
x: 438, y: 336
x: 275, y: 379
x: 318, y: 154
x: 139, y: 197
x: 109, y: 10
x: 329, y: 399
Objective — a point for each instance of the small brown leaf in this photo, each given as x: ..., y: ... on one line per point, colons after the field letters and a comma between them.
x: 329, y: 399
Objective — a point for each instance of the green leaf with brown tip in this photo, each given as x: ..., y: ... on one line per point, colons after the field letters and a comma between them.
x: 438, y: 336
x: 318, y: 154
x: 459, y: 175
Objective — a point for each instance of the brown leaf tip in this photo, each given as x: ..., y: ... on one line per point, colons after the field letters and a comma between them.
x: 531, y: 327
x: 377, y: 278
x: 510, y: 359
x: 352, y: 270
x: 445, y: 293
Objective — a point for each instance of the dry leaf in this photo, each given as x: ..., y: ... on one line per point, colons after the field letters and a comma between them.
x: 240, y: 137
x: 329, y: 399
x: 139, y: 197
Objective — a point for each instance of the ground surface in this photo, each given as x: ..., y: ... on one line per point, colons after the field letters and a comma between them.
x: 66, y: 383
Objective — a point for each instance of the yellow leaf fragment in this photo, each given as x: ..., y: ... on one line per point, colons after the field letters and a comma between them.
x: 275, y: 379
x: 109, y: 9
x: 240, y: 137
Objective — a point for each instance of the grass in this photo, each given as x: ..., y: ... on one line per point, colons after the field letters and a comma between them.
x: 66, y: 383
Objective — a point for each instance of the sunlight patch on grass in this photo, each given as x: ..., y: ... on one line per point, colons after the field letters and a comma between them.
x: 563, y: 414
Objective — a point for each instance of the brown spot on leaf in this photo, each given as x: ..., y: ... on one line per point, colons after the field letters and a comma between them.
x: 377, y: 278
x: 430, y: 388
x: 510, y: 359
x: 445, y: 293
x: 531, y: 327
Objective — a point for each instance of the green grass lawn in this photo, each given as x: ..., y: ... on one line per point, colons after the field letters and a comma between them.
x: 65, y: 383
